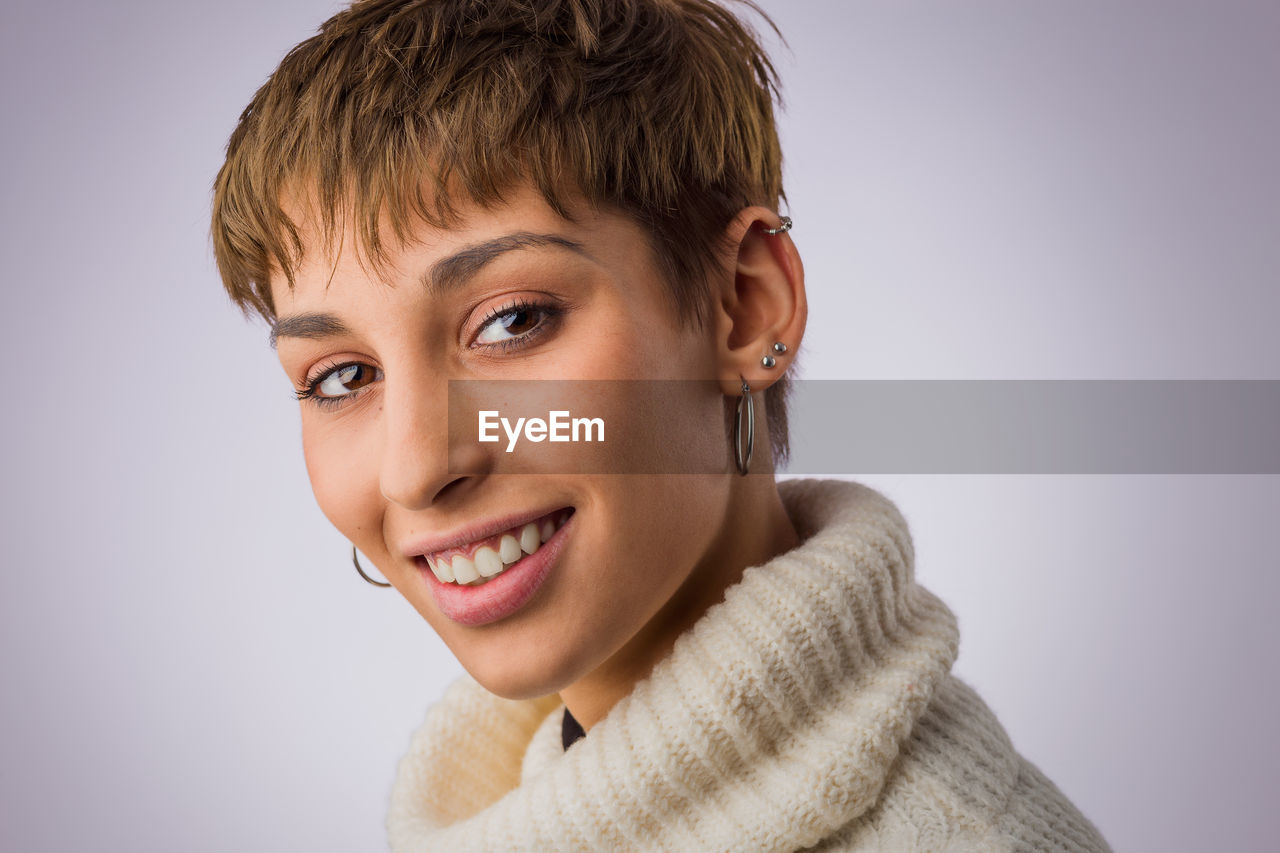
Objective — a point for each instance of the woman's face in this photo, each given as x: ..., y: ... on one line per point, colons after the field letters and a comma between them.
x: 514, y: 293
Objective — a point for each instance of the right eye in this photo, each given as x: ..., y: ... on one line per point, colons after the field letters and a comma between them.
x: 338, y: 383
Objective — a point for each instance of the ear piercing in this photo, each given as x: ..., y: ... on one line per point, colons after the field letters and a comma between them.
x: 747, y: 407
x: 779, y: 347
x: 743, y: 458
x: 782, y: 229
x: 356, y: 560
x: 769, y: 361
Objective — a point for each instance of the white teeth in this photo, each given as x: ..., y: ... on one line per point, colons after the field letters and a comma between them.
x: 529, y: 540
x: 509, y: 549
x: 464, y: 571
x: 440, y: 568
x: 488, y: 563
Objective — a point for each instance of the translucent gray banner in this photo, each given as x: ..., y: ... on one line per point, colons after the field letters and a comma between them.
x: 873, y: 426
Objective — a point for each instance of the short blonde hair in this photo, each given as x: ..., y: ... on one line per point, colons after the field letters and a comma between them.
x: 398, y: 109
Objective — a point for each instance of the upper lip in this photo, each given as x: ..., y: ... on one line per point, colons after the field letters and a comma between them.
x: 434, y: 543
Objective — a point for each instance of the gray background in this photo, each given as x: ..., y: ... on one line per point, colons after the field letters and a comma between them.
x: 982, y: 190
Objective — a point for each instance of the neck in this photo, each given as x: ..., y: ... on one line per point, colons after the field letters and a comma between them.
x: 757, y: 529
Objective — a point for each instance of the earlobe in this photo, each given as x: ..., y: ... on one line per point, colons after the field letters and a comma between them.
x: 763, y: 312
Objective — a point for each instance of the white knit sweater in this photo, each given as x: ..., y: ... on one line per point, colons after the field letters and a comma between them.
x: 812, y: 709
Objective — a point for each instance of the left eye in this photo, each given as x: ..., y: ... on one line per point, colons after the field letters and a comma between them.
x: 510, y: 324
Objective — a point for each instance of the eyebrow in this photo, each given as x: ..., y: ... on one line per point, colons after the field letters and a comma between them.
x: 445, y: 276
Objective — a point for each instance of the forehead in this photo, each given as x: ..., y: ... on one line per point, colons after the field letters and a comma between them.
x: 439, y: 256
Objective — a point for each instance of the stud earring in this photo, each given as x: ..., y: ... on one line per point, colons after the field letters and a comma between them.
x: 769, y: 361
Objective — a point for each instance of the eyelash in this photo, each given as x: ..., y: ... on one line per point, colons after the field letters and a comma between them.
x: 310, y: 388
x: 548, y: 312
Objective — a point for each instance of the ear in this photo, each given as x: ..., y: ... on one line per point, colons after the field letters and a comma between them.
x: 761, y: 303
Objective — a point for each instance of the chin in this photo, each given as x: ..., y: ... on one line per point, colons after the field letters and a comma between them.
x: 519, y: 677
x: 518, y: 685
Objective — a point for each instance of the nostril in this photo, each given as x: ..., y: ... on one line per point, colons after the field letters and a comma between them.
x: 449, y: 489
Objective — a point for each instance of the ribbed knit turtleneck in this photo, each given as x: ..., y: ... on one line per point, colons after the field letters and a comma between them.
x: 813, y: 706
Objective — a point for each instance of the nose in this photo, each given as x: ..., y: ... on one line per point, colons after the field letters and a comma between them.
x: 416, y: 464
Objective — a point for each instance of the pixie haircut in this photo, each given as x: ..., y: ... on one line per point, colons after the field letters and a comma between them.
x: 398, y: 111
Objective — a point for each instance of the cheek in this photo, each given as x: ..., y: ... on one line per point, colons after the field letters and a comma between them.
x: 344, y: 484
x: 657, y: 538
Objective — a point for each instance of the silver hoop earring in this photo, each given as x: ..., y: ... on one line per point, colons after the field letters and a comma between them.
x: 356, y: 560
x: 781, y: 229
x: 745, y: 399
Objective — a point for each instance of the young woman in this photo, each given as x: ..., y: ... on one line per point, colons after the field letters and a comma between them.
x: 666, y: 648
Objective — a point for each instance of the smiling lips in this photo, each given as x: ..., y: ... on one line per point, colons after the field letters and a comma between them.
x: 476, y: 563
x: 491, y: 578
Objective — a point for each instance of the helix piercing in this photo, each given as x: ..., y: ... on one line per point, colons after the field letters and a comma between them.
x: 781, y: 229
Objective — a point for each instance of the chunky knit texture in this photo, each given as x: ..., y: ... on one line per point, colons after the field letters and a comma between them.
x: 813, y: 708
